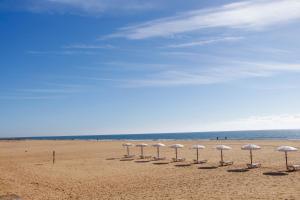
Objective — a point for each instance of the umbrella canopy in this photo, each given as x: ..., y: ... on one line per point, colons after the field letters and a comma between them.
x: 141, y: 145
x: 176, y: 146
x: 223, y: 147
x: 286, y: 149
x: 142, y: 148
x: 158, y: 145
x: 127, y: 145
x: 197, y: 147
x: 251, y: 147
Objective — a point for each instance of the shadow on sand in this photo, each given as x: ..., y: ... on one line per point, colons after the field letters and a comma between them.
x: 161, y: 163
x: 112, y: 158
x: 208, y: 167
x: 275, y: 173
x: 10, y: 197
x: 183, y: 165
x: 238, y: 170
x: 142, y: 161
x: 126, y: 159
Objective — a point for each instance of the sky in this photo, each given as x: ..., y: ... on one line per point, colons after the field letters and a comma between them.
x: 81, y: 67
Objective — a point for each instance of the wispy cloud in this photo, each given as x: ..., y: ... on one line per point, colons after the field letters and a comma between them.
x: 74, y: 49
x: 256, y: 122
x: 141, y: 66
x: 224, y: 73
x: 90, y: 7
x: 64, y: 52
x: 263, y: 122
x: 46, y: 91
x: 205, y: 42
x: 87, y: 46
x: 30, y: 97
x: 249, y: 15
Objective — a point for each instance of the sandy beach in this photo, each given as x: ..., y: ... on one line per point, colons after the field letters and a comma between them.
x: 82, y: 171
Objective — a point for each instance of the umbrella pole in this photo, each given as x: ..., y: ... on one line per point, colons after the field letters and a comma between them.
x: 127, y: 151
x: 222, y: 156
x: 157, y: 152
x: 176, y: 153
x: 142, y: 152
x: 197, y: 155
x: 251, y: 157
x: 286, y: 161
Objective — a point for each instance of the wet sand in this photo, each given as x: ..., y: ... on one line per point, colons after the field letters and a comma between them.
x: 82, y: 171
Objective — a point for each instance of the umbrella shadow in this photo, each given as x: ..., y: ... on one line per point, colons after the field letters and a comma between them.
x: 275, y: 173
x: 208, y: 167
x: 126, y: 159
x: 112, y: 158
x: 10, y: 197
x: 183, y: 165
x: 142, y: 161
x: 37, y: 164
x: 161, y: 163
x: 238, y: 170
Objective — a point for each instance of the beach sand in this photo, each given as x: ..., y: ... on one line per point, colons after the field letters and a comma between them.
x: 81, y: 171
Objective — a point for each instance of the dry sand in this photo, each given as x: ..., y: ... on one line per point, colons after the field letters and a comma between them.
x: 81, y: 171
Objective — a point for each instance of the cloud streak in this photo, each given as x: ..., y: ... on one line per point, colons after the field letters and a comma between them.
x: 205, y: 42
x: 49, y: 91
x: 70, y: 52
x: 263, y: 122
x: 248, y: 15
x: 257, y: 122
x: 87, y: 46
x: 225, y: 73
x: 90, y: 7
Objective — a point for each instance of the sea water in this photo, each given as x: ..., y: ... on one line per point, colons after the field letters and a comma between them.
x: 232, y: 135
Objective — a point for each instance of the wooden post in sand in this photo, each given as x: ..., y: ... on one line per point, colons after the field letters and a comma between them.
x: 222, y: 157
x: 127, y: 150
x: 142, y: 152
x: 53, y: 155
x: 197, y: 155
x: 251, y: 156
x: 286, y: 161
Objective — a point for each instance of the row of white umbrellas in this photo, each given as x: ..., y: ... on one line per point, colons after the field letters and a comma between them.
x: 221, y: 148
x: 158, y: 145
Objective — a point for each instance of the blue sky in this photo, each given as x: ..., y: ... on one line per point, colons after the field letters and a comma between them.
x: 70, y: 67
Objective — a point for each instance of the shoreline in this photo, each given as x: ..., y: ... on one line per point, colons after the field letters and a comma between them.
x: 209, y: 135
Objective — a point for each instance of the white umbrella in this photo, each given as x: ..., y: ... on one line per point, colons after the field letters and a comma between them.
x: 286, y: 149
x: 251, y: 147
x: 158, y: 145
x: 197, y: 147
x: 222, y: 148
x: 176, y: 146
x: 142, y: 148
x: 127, y: 145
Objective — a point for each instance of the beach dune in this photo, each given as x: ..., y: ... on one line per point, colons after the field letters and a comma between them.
x: 88, y: 170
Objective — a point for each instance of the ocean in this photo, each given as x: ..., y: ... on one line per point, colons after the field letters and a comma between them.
x: 232, y: 135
